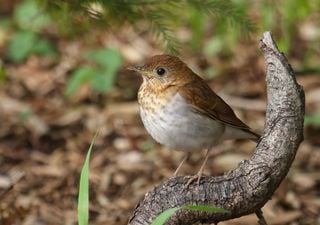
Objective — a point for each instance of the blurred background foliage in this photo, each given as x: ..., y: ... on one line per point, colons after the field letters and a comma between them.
x: 62, y: 75
x: 214, y: 26
x: 27, y: 23
x: 209, y: 28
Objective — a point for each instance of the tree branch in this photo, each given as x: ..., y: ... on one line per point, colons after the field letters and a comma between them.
x: 247, y: 188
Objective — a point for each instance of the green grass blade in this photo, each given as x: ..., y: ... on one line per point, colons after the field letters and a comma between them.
x: 205, y: 208
x: 83, y: 198
x: 164, y: 216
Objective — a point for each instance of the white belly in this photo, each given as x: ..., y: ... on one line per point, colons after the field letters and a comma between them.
x: 177, y: 127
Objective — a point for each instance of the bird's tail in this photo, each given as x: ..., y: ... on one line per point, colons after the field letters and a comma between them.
x: 256, y: 137
x: 236, y: 133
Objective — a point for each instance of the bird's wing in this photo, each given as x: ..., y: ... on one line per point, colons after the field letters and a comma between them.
x: 204, y: 101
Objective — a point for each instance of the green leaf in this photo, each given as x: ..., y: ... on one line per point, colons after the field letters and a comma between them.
x: 227, y: 10
x: 79, y: 77
x: 312, y: 120
x: 106, y: 58
x: 267, y: 15
x: 103, y: 82
x: 29, y: 16
x: 205, y: 208
x: 197, y: 25
x: 163, y: 30
x: 147, y: 145
x: 214, y: 46
x: 2, y: 72
x: 164, y: 216
x: 109, y: 61
x: 25, y: 115
x: 83, y: 198
x: 212, y: 72
x: 5, y: 25
x: 20, y: 46
x: 44, y: 47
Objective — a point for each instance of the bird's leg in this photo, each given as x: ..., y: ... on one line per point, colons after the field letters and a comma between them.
x: 186, y: 156
x: 200, y: 172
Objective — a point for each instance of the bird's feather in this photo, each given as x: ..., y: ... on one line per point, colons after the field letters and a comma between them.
x: 204, y: 101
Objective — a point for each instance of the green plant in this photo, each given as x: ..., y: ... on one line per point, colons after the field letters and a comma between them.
x: 101, y: 75
x: 313, y: 120
x: 83, y: 197
x: 285, y: 17
x: 29, y: 20
x: 160, y: 17
x: 2, y: 72
x: 164, y: 216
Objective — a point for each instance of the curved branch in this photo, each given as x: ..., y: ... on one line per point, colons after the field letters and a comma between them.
x: 247, y: 188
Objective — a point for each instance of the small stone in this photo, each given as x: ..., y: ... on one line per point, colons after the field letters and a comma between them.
x: 121, y: 144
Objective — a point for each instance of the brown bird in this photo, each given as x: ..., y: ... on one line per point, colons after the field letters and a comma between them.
x: 181, y: 112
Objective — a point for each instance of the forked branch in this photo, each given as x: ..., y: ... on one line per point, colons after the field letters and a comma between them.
x: 247, y: 188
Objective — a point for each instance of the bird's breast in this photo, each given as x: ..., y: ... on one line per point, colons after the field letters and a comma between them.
x: 173, y: 123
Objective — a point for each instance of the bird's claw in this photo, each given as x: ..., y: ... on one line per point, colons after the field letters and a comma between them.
x: 193, y: 178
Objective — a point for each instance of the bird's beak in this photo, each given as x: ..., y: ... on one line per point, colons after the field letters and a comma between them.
x: 141, y: 70
x: 137, y: 68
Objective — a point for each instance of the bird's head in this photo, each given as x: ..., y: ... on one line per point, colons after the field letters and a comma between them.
x: 163, y: 71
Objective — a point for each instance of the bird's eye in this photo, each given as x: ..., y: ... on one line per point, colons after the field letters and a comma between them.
x: 160, y: 71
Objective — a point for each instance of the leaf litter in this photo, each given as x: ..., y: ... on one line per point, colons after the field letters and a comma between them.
x: 44, y: 138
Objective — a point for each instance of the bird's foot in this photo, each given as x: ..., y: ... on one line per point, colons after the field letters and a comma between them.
x: 193, y: 178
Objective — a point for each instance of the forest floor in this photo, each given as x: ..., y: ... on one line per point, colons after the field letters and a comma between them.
x: 44, y: 138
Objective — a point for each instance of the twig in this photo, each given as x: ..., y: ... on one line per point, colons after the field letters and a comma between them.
x: 247, y: 188
x: 15, y: 178
x: 261, y: 220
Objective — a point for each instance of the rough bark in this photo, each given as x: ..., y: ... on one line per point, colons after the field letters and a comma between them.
x: 247, y: 188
